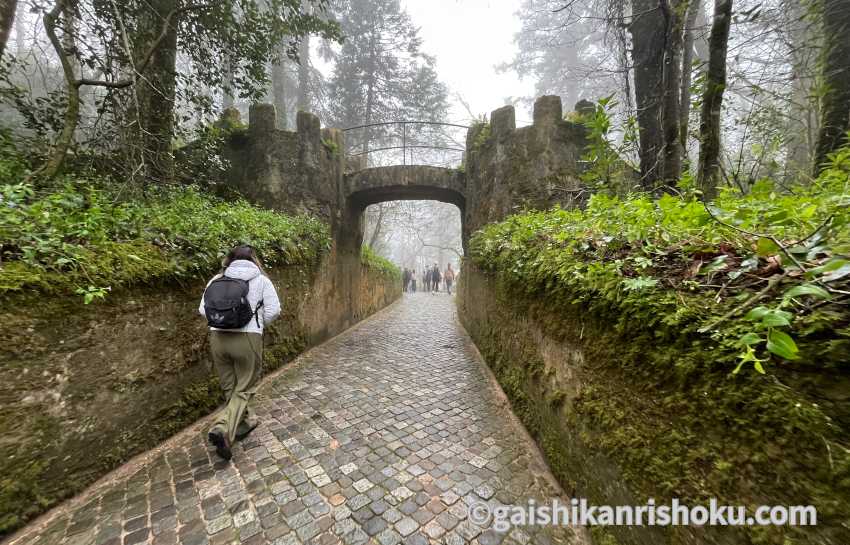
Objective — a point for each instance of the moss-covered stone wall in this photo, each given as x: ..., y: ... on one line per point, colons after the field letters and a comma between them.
x: 85, y: 387
x: 617, y: 436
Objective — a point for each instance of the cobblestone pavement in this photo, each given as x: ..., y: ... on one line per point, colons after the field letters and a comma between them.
x: 383, y: 435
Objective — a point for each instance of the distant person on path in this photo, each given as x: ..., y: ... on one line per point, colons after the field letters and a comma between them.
x: 413, y: 280
x: 405, y: 279
x: 435, y: 279
x: 449, y: 275
x: 238, y: 304
x: 428, y: 278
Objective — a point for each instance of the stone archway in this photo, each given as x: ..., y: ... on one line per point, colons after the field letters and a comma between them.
x: 397, y: 183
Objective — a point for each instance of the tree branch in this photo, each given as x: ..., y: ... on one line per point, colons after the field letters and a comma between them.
x: 146, y: 59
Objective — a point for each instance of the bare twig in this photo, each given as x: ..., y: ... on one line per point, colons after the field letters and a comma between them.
x: 779, y: 245
x: 774, y: 280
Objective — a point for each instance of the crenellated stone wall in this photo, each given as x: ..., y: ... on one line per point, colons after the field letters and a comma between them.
x: 292, y: 171
x: 505, y: 169
x: 510, y: 168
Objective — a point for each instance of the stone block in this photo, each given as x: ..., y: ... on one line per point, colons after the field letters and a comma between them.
x: 261, y: 119
x: 585, y: 107
x: 230, y: 118
x: 503, y: 121
x: 547, y: 110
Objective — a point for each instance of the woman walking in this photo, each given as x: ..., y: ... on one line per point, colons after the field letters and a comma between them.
x: 238, y: 304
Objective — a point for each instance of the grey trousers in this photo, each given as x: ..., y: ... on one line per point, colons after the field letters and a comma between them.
x: 238, y: 360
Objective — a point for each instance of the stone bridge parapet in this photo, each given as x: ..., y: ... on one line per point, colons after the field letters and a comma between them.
x: 406, y: 182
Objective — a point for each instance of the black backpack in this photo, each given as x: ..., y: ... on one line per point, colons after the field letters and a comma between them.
x: 226, y: 304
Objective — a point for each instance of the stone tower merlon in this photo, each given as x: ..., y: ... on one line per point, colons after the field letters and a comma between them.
x: 548, y: 111
x: 503, y: 122
x: 298, y: 172
x: 261, y: 119
x: 309, y: 129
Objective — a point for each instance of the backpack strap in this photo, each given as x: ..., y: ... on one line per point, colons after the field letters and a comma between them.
x: 257, y: 312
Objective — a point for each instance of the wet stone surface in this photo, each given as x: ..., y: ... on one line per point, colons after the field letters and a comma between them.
x: 383, y: 435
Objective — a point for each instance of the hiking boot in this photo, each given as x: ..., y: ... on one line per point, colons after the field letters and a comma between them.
x: 251, y: 427
x: 221, y: 443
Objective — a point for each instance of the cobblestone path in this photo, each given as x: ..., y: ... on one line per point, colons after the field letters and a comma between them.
x: 383, y: 435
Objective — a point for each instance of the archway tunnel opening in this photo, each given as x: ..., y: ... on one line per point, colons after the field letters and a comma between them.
x: 414, y: 226
x: 416, y: 235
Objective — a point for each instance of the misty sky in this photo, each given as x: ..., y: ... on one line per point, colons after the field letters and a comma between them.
x: 468, y: 38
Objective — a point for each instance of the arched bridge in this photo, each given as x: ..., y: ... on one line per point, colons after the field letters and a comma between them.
x: 406, y: 182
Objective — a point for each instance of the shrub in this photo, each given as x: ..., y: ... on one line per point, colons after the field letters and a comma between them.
x: 80, y: 238
x: 372, y: 260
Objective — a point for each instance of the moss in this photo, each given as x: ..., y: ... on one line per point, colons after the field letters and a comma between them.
x: 655, y: 402
x: 21, y: 497
x: 331, y: 146
x: 283, y: 350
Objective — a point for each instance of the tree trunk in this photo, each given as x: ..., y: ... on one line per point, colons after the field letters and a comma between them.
x: 673, y: 11
x: 370, y: 94
x: 712, y: 100
x: 648, y: 41
x: 279, y: 91
x: 63, y: 8
x: 304, y: 74
x: 687, y: 69
x: 376, y: 232
x: 228, y: 100
x: 802, y: 128
x: 157, y: 93
x: 7, y: 18
x: 835, y: 112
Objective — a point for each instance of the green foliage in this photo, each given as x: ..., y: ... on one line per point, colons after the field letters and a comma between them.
x: 482, y: 137
x: 92, y: 293
x: 699, y: 266
x: 330, y: 145
x: 82, y: 239
x: 12, y: 164
x: 666, y: 300
x: 372, y: 260
x: 603, y: 156
x: 201, y: 161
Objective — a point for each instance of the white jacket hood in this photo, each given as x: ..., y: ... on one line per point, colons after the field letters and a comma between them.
x: 243, y: 270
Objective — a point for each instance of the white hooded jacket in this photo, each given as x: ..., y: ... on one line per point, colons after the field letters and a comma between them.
x: 260, y: 288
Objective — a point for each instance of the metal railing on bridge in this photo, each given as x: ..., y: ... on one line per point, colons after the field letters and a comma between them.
x: 443, y: 143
